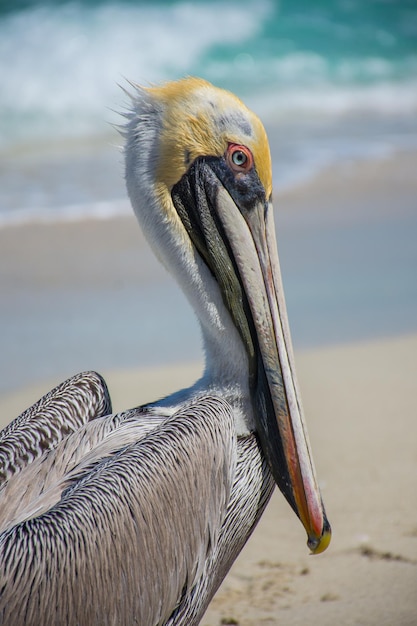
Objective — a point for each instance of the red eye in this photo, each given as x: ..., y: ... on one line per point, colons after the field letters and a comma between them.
x: 239, y: 158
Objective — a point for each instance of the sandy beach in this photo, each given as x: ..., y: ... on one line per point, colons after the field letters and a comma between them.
x: 359, y: 394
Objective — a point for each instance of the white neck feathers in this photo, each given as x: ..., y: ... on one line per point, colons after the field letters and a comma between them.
x: 226, y: 370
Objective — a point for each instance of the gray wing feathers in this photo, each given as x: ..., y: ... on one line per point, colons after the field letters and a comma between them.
x: 127, y: 540
x: 59, y: 413
x: 38, y: 486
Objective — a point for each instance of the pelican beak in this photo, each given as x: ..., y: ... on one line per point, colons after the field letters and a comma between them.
x: 279, y: 414
x: 243, y: 234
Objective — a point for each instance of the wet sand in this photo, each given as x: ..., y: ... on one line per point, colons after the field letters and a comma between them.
x: 91, y: 295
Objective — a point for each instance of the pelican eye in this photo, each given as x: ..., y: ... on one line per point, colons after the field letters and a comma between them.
x: 239, y: 158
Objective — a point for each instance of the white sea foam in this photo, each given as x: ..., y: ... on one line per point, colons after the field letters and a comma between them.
x: 386, y: 98
x: 60, y: 65
x: 103, y: 210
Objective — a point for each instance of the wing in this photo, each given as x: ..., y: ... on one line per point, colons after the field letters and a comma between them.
x: 56, y: 415
x: 131, y: 532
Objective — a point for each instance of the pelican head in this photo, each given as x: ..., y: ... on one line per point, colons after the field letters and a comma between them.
x: 198, y: 172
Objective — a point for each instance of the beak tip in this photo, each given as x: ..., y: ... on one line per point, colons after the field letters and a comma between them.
x: 318, y: 545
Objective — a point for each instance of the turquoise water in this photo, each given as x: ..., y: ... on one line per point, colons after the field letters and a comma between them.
x: 332, y: 80
x: 60, y: 61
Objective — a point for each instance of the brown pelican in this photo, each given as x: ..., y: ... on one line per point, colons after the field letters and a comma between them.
x: 136, y: 518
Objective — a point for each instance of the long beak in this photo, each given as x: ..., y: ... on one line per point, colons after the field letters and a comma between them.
x: 279, y: 413
x: 238, y: 244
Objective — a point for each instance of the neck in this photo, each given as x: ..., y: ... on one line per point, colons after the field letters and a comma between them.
x: 226, y: 366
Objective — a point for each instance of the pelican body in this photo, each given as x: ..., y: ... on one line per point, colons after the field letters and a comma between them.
x: 136, y: 518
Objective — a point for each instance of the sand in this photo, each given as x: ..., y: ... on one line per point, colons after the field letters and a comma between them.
x: 360, y: 402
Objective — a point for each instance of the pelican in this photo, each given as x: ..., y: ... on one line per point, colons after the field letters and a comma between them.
x: 136, y: 518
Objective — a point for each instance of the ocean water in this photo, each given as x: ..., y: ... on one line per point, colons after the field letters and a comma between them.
x: 332, y: 80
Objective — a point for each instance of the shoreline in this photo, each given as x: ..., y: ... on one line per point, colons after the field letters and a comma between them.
x: 91, y: 294
x: 364, y: 168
